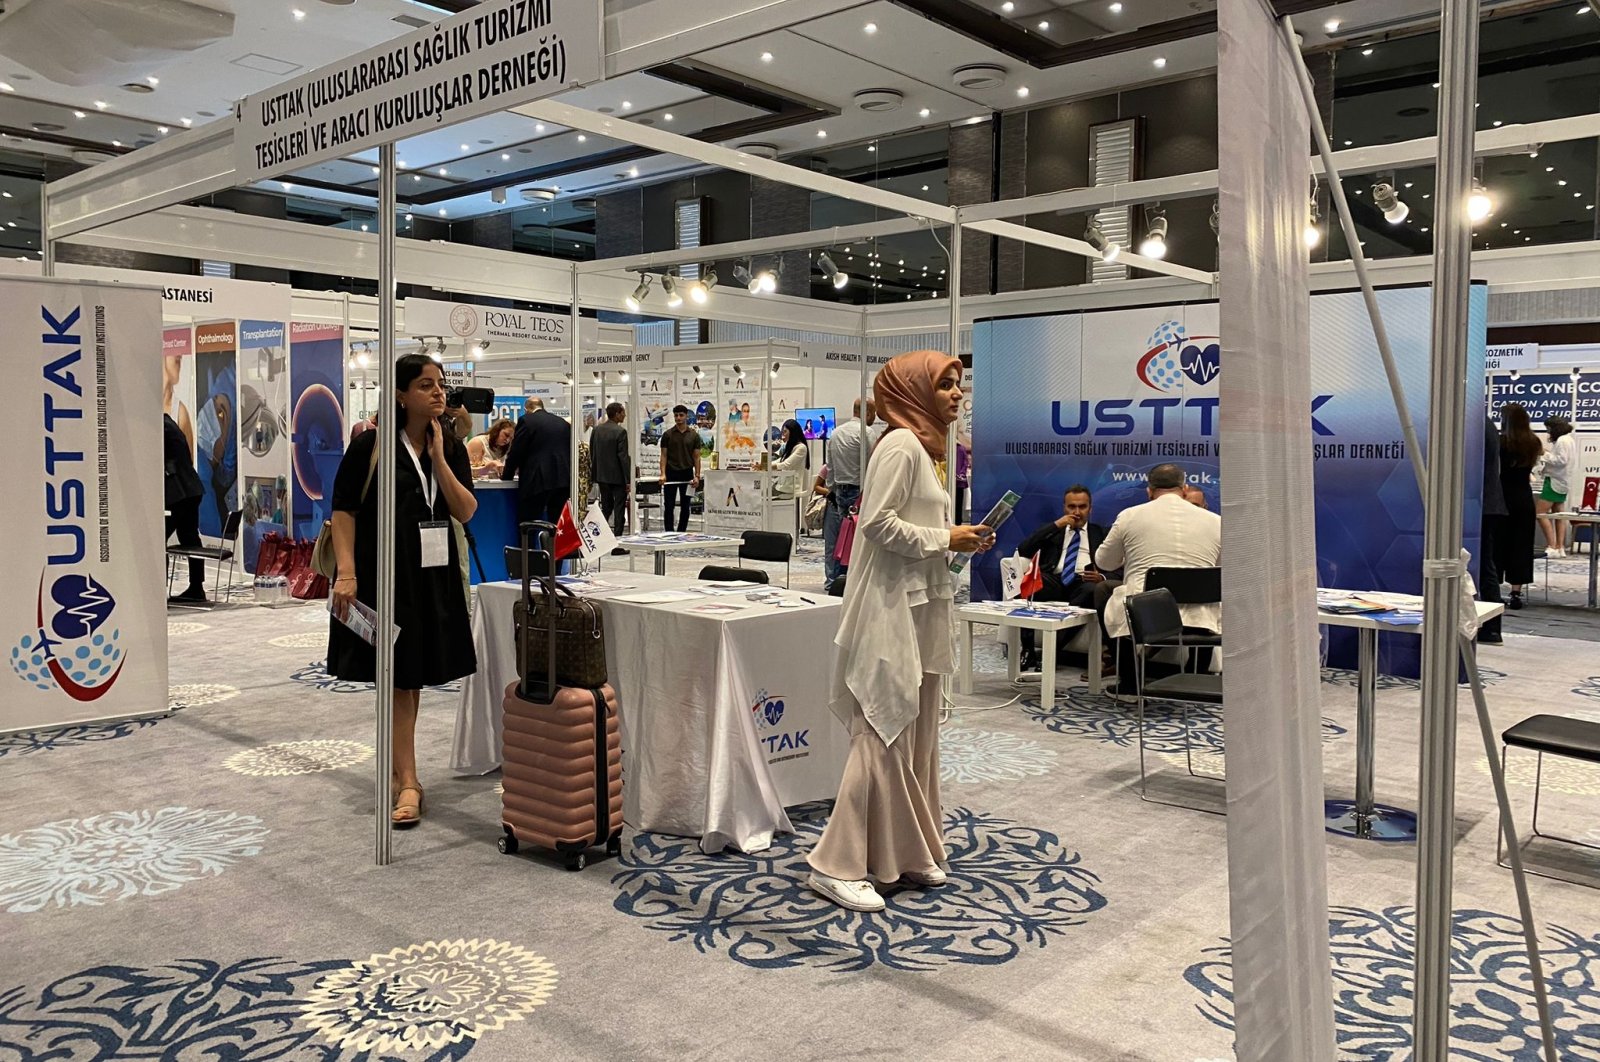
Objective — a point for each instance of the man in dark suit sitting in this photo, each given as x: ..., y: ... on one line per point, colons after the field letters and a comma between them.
x: 1066, y: 561
x: 540, y: 460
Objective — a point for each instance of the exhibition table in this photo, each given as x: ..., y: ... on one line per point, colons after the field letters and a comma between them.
x: 1049, y: 620
x: 663, y: 542
x: 493, y: 527
x: 724, y: 704
x: 1593, y: 520
x: 1363, y: 817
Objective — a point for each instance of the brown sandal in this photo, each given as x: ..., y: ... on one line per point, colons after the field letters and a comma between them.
x: 412, y: 809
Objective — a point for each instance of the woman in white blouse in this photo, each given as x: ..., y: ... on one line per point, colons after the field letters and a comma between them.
x: 1560, y: 460
x: 793, y: 457
x: 895, y: 645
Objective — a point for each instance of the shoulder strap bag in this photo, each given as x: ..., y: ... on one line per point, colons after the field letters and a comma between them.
x: 324, y: 561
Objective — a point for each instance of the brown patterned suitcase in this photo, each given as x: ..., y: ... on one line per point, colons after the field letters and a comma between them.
x: 561, y: 753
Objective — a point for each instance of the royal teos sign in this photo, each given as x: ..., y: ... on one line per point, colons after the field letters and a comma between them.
x: 524, y: 329
x: 494, y: 56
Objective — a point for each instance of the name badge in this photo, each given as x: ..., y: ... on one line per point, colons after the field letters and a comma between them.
x: 435, y: 543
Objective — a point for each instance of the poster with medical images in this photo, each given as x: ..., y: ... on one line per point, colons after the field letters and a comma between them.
x: 743, y: 417
x: 177, y: 379
x: 698, y: 392
x: 264, y: 446
x: 733, y: 502
x: 216, y: 420
x: 316, y: 422
x: 785, y: 400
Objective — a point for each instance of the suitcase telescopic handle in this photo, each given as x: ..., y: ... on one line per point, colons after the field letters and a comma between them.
x: 536, y: 530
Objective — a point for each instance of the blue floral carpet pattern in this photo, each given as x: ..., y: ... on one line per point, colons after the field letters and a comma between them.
x: 1081, y: 714
x: 316, y: 675
x: 1012, y: 888
x: 1340, y: 676
x: 1492, y: 1014
x: 33, y: 741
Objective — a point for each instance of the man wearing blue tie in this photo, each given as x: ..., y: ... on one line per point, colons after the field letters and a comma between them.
x: 1066, y: 561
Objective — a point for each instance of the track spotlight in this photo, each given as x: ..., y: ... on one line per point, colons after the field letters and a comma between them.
x: 741, y: 274
x: 1154, y: 244
x: 701, y: 289
x: 669, y: 285
x: 1576, y: 372
x: 699, y: 373
x: 1216, y: 217
x: 738, y: 372
x: 566, y: 378
x: 1479, y: 205
x: 1312, y: 235
x: 838, y: 277
x: 775, y: 371
x: 1097, y: 239
x: 440, y: 348
x: 624, y: 375
x: 1516, y: 374
x: 1386, y: 199
x: 640, y: 293
x: 768, y: 281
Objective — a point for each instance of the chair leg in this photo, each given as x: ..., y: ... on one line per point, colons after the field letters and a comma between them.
x: 1538, y: 781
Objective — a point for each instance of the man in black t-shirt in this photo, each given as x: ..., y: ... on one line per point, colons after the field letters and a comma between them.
x: 680, y: 468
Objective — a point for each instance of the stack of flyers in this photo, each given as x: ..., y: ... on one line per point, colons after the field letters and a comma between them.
x: 363, y: 622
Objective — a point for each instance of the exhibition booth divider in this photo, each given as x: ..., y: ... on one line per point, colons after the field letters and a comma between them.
x: 1260, y: 200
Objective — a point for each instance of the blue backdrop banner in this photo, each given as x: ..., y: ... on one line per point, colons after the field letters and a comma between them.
x: 1100, y: 398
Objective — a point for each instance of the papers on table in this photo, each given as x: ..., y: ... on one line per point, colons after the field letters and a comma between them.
x: 1403, y: 610
x: 581, y: 584
x: 1022, y: 610
x: 726, y: 589
x: 667, y: 538
x: 658, y: 597
x: 718, y: 608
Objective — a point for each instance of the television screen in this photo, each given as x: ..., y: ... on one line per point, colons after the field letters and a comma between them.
x: 817, y: 423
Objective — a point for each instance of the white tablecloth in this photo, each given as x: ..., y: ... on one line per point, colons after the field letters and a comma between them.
x: 725, y: 718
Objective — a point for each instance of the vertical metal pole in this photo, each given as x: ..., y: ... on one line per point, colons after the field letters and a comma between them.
x: 955, y: 352
x: 387, y: 439
x: 1366, y: 720
x: 576, y: 364
x: 862, y: 396
x: 1441, y: 566
x: 47, y: 246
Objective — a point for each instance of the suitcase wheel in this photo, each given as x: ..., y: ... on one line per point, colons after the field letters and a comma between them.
x: 577, y: 860
x: 614, y: 845
x: 508, y: 843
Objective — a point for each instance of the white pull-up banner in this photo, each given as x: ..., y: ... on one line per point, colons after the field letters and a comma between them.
x: 494, y: 56
x: 83, y: 609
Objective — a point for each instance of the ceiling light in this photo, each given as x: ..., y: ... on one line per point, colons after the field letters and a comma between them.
x: 443, y: 172
x: 5, y: 86
x: 837, y: 276
x: 376, y: 171
x: 465, y: 147
x: 1097, y: 239
x: 741, y: 274
x: 5, y: 195
x: 186, y: 122
x: 298, y: 14
x: 640, y: 293
x: 669, y: 284
x: 1366, y: 51
x: 626, y: 105
x: 766, y: 57
x: 1312, y: 235
x: 1387, y: 200
x: 1332, y: 25
x: 768, y: 281
x: 1022, y: 92
x: 153, y: 81
x: 700, y: 290
x: 363, y: 226
x: 870, y: 28
x: 699, y: 373
x: 1115, y: 9
x: 1561, y: 184
x: 416, y: 176
x: 79, y: 114
x: 1349, y: 143
x: 443, y: 212
x: 822, y: 134
x: 667, y: 117
x: 504, y: 157
x: 872, y: 148
x: 1160, y: 62
x: 1044, y: 25
x: 582, y: 139
x: 1008, y: 7
x: 1154, y: 244
x: 163, y: 130
x: 101, y: 104
x: 1479, y: 205
x: 538, y: 127
x: 924, y: 113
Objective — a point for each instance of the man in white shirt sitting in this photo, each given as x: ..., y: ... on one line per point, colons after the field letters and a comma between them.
x: 1165, y: 532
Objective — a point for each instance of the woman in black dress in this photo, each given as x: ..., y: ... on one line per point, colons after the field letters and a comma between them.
x: 1519, y: 451
x: 433, y: 483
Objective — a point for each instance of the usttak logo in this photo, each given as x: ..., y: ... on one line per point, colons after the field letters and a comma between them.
x: 74, y: 647
x: 767, y: 711
x: 1173, y: 355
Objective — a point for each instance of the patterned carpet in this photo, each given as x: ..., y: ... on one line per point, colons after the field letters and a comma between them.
x: 201, y: 887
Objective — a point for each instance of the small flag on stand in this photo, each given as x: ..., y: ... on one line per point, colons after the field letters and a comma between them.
x: 1032, y: 580
x: 598, y: 538
x: 568, y: 541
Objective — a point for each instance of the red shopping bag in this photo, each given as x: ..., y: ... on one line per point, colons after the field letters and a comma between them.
x: 305, y: 584
x: 275, y: 555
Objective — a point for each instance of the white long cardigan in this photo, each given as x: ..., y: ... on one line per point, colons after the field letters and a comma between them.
x: 896, y: 624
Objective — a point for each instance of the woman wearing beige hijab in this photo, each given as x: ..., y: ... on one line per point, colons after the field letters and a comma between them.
x: 895, y: 645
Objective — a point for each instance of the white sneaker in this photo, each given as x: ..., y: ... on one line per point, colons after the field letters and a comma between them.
x: 856, y: 895
x: 925, y: 878
x: 1556, y: 554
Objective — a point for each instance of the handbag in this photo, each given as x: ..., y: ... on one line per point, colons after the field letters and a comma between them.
x: 569, y: 630
x: 846, y: 541
x: 816, y: 512
x: 324, y: 560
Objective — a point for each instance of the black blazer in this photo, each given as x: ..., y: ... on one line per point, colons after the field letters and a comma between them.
x: 182, y: 481
x: 1049, y: 541
x: 541, y: 454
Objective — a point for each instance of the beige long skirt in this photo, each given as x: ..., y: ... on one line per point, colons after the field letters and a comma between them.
x: 887, y: 819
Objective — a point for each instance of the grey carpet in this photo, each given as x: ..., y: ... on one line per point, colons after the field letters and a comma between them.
x: 203, y: 887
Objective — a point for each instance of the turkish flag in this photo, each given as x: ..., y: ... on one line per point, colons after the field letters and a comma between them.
x: 568, y: 541
x: 1033, y: 581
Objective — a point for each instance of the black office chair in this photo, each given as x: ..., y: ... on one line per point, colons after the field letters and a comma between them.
x: 1190, y: 586
x: 836, y: 588
x: 773, y: 546
x: 1554, y: 735
x: 717, y: 573
x: 1155, y: 623
x: 226, y: 551
x: 514, y: 562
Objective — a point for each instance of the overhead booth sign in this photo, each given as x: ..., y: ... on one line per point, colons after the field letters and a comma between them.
x: 83, y: 614
x: 497, y: 55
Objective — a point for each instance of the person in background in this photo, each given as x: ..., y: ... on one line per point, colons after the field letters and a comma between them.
x: 460, y: 422
x: 610, y: 464
x: 1065, y: 548
x: 848, y: 451
x: 680, y: 469
x: 363, y: 425
x: 183, y: 493
x: 792, y: 461
x: 489, y: 450
x: 1490, y: 530
x: 433, y: 484
x: 540, y: 462
x: 1520, y: 450
x: 171, y: 373
x: 895, y: 646
x: 1196, y: 496
x: 1560, y: 461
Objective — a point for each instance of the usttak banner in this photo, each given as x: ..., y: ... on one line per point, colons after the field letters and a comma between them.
x: 83, y: 616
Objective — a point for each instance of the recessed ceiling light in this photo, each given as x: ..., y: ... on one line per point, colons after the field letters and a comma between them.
x: 1366, y: 51
x: 186, y: 122
x: 1549, y: 169
x: 1044, y: 25
x: 1115, y: 9
x: 401, y: 164
x: 116, y: 143
x: 822, y: 134
x: 101, y: 104
x: 1436, y: 85
x: 627, y: 106
x: 79, y: 114
x: 443, y: 172
x: 376, y: 170
x: 1349, y: 143
x: 1561, y: 184
x: 287, y: 187
x: 667, y: 117
x: 870, y: 28
x: 298, y: 14
x: 505, y: 156
x: 538, y: 127
x: 766, y: 57
x: 633, y: 171
x: 1022, y: 92
x: 924, y: 188
x: 5, y: 195
x: 153, y: 80
x: 1160, y: 62
x: 464, y: 147
x: 416, y: 176
x: 163, y: 130
x: 924, y: 113
x: 1497, y: 125
x: 1008, y: 7
x: 443, y: 212
x: 5, y: 86
x: 582, y: 139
